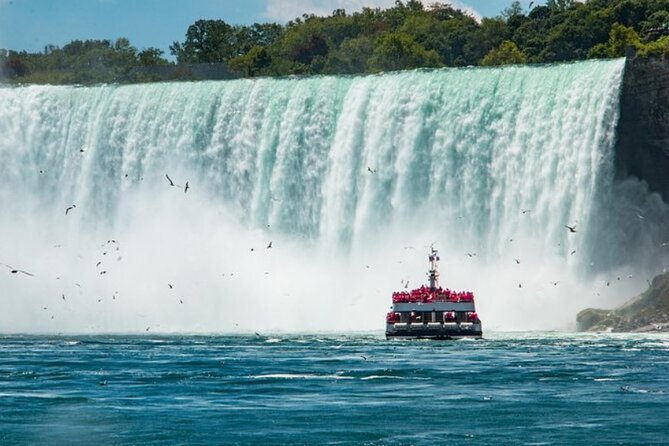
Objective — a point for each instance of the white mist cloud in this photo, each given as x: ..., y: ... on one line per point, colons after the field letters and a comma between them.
x: 285, y: 10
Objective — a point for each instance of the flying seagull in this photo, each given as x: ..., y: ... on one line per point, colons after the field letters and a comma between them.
x: 517, y: 261
x: 186, y: 188
x: 370, y: 170
x: 70, y: 208
x: 170, y: 180
x: 16, y: 270
x: 571, y: 228
x: 269, y: 246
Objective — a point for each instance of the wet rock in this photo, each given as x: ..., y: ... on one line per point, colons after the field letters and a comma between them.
x: 646, y: 312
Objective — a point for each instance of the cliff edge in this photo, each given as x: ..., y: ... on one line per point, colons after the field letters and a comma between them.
x: 648, y: 311
x: 642, y: 147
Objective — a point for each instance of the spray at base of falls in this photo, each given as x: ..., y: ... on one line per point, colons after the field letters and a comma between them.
x: 351, y: 178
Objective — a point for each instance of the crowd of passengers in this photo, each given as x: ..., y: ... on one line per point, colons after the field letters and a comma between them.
x: 424, y: 294
x: 446, y: 316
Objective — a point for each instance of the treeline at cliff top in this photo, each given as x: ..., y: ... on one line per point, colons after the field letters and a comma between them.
x: 408, y: 35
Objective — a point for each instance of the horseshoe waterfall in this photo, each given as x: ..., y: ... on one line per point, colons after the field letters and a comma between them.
x: 310, y: 199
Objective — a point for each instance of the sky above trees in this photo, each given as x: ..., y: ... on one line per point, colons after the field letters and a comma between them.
x: 31, y: 24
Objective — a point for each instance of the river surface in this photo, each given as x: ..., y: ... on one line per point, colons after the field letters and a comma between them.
x: 511, y: 388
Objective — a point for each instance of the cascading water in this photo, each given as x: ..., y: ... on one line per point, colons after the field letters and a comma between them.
x: 350, y: 178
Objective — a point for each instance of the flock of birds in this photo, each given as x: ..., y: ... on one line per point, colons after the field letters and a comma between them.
x: 108, y: 247
x: 116, y: 246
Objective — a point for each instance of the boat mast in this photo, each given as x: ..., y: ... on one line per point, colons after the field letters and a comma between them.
x: 434, y: 273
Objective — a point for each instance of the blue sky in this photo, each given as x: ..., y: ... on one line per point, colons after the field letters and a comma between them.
x: 31, y: 24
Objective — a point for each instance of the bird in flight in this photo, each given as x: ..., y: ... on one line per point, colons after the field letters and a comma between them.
x: 186, y: 188
x: 270, y: 245
x: 572, y: 229
x: 170, y: 180
x: 16, y: 270
x: 70, y: 208
x: 370, y: 170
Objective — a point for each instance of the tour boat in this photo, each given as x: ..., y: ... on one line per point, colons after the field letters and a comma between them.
x: 431, y: 312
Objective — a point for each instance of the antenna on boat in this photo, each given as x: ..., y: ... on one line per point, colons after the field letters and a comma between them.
x: 434, y: 272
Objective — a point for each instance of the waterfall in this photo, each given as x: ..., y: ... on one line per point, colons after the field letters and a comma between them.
x: 349, y: 177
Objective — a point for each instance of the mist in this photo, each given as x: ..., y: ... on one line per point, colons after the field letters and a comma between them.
x: 351, y: 179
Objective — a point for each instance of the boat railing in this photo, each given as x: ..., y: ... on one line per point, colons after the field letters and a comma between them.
x: 426, y: 295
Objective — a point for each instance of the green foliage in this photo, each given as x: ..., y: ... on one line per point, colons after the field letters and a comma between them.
x: 621, y: 37
x: 81, y: 62
x: 397, y: 51
x: 253, y: 63
x: 659, y: 47
x: 404, y: 36
x: 150, y: 57
x: 506, y: 54
x: 351, y: 57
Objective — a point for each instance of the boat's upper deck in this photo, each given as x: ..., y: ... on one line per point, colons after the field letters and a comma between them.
x: 434, y: 306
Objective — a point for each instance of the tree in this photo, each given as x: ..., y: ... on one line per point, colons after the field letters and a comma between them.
x: 253, y: 63
x: 11, y: 65
x: 506, y: 54
x: 515, y: 9
x: 620, y: 38
x: 207, y: 41
x: 488, y: 35
x: 659, y: 47
x: 397, y: 51
x: 559, y: 5
x: 351, y: 57
x: 151, y: 56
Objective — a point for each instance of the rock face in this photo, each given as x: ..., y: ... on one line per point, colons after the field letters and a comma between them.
x: 642, y: 148
x: 647, y: 312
